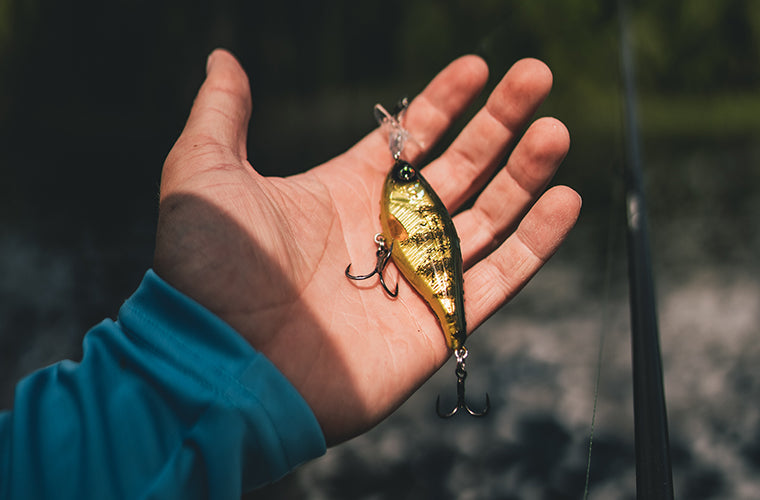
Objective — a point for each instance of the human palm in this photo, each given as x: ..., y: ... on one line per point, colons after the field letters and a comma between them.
x: 267, y: 255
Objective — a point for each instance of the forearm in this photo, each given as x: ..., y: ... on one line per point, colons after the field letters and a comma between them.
x: 168, y: 402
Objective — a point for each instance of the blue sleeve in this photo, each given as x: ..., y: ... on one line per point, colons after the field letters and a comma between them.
x: 167, y: 402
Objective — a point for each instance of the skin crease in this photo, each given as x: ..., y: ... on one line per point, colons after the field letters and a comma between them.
x: 267, y: 255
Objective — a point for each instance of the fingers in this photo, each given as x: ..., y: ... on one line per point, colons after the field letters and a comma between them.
x: 512, y: 191
x: 480, y: 147
x: 222, y: 108
x: 493, y: 281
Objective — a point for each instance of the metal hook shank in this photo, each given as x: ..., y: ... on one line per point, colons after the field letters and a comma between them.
x: 461, y: 402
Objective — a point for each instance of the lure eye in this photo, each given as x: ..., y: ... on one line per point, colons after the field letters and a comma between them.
x: 404, y: 172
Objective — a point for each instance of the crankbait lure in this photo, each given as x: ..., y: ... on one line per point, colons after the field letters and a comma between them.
x: 419, y: 236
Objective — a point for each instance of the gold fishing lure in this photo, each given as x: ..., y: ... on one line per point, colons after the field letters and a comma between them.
x: 420, y: 237
x: 425, y: 246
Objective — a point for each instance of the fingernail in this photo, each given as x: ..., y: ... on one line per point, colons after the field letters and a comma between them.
x: 210, y: 61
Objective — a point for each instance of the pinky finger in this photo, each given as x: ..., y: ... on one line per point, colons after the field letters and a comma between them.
x: 492, y: 282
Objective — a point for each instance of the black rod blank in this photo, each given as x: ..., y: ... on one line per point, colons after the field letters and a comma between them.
x: 654, y: 479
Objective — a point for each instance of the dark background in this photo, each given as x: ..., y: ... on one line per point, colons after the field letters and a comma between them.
x: 93, y: 94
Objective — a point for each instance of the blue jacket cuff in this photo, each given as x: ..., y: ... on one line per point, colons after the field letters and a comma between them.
x: 280, y: 430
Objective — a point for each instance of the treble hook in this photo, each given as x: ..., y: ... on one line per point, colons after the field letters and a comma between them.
x: 383, y: 254
x: 461, y: 373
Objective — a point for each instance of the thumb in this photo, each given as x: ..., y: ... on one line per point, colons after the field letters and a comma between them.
x: 222, y: 108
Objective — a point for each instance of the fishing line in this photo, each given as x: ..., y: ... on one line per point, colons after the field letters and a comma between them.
x: 612, y: 238
x: 614, y: 234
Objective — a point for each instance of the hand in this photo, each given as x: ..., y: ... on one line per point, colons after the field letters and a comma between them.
x: 267, y: 255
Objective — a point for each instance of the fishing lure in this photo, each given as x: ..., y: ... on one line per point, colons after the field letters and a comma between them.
x: 419, y: 236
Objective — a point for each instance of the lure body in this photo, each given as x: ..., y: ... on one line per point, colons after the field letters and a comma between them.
x: 425, y: 247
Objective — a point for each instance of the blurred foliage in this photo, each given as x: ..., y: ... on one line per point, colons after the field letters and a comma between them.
x: 698, y: 47
x: 90, y: 90
x: 303, y: 46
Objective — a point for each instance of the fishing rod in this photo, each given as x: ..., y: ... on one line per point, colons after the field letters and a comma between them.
x: 654, y: 479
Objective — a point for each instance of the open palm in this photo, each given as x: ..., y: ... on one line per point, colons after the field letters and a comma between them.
x: 267, y: 255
